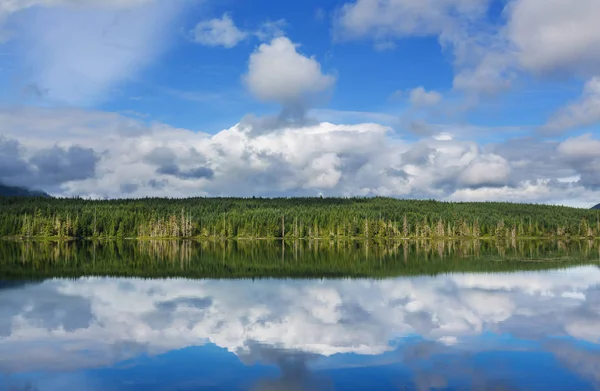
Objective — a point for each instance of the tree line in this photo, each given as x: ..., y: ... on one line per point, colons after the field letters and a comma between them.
x: 289, y: 218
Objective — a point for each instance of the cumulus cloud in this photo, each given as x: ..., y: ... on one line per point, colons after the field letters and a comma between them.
x: 420, y: 97
x: 583, y: 154
x: 96, y: 154
x: 218, y: 32
x: 91, y: 322
x: 582, y: 147
x: 555, y: 36
x: 584, y: 112
x: 486, y: 170
x: 277, y: 72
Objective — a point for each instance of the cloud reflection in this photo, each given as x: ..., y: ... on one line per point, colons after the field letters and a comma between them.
x: 65, y: 325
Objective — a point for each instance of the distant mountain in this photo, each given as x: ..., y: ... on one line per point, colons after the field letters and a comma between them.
x: 596, y: 207
x: 13, y: 191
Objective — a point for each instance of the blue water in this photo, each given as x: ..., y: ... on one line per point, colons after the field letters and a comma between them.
x: 518, y: 331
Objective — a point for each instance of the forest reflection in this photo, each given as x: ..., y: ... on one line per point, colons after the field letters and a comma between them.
x: 296, y: 258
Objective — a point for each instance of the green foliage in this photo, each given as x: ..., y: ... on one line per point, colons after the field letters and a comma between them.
x: 323, y: 218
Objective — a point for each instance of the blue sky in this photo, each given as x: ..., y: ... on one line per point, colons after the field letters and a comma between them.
x: 302, y: 98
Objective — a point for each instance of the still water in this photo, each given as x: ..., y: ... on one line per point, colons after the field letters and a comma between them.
x: 513, y: 331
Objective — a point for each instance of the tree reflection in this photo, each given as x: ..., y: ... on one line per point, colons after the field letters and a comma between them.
x: 276, y: 258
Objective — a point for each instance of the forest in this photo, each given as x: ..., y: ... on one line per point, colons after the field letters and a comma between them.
x: 288, y: 218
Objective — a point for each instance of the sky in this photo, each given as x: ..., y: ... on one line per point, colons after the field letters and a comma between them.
x: 455, y: 100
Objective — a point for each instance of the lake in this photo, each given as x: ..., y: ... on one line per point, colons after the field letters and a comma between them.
x: 332, y: 316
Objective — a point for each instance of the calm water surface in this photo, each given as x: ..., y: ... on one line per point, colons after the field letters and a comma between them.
x: 519, y: 330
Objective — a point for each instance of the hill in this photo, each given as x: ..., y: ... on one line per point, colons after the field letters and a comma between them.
x: 596, y: 207
x: 13, y: 191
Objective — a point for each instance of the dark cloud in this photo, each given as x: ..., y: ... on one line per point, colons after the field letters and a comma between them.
x: 45, y: 306
x: 67, y: 312
x: 12, y: 166
x: 352, y: 162
x: 590, y: 175
x: 355, y: 315
x: 197, y: 173
x: 166, y: 160
x: 397, y: 173
x: 158, y: 185
x: 194, y: 302
x: 166, y: 311
x: 289, y: 117
x: 194, y: 173
x: 57, y: 165
x: 47, y: 167
x: 418, y: 154
x: 128, y: 188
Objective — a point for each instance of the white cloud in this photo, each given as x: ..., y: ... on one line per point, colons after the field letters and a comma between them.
x: 218, y: 32
x: 89, y: 50
x: 543, y: 37
x: 321, y: 317
x: 278, y: 73
x: 486, y: 170
x: 270, y: 30
x: 10, y: 6
x: 457, y: 24
x: 223, y: 32
x: 420, y: 97
x: 581, y: 147
x: 489, y: 73
x: 364, y: 159
x: 556, y: 35
x: 583, y: 112
x: 401, y: 18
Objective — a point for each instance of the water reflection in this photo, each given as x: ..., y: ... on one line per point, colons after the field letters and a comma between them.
x: 527, y: 330
x: 318, y: 258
